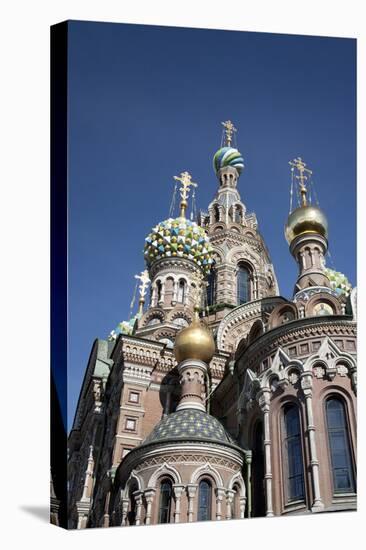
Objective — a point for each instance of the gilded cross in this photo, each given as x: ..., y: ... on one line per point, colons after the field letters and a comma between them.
x: 229, y: 131
x: 302, y: 175
x: 186, y: 180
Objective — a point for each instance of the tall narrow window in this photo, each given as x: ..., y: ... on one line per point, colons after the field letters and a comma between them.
x: 258, y: 495
x: 181, y: 292
x: 165, y: 501
x: 343, y: 478
x: 204, y: 500
x: 158, y: 288
x: 243, y: 285
x: 294, y: 469
x: 211, y: 288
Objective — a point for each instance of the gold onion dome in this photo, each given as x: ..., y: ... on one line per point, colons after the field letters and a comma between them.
x: 194, y: 342
x: 306, y: 219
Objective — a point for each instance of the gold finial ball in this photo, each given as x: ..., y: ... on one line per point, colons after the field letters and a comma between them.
x: 306, y: 219
x: 194, y: 342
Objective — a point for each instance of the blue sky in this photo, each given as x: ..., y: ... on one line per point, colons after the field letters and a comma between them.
x: 146, y: 103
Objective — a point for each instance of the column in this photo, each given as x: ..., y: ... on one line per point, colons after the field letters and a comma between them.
x: 229, y: 503
x: 125, y: 503
x: 248, y: 461
x: 178, y: 490
x: 162, y: 296
x: 138, y: 500
x: 264, y: 402
x: 191, y: 489
x: 154, y: 296
x: 220, y: 492
x: 88, y: 475
x: 149, y: 496
x: 175, y: 293
x: 306, y: 385
x: 106, y: 509
x: 242, y: 503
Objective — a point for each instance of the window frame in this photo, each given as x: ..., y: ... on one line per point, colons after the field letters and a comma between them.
x: 301, y: 499
x: 208, y: 481
x: 131, y: 418
x: 170, y: 504
x: 241, y: 266
x: 348, y: 437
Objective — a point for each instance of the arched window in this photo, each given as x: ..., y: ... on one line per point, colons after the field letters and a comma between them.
x: 165, y: 501
x: 181, y: 292
x: 158, y: 289
x: 204, y: 500
x: 293, y: 459
x: 243, y: 284
x: 211, y: 288
x: 339, y: 445
x: 216, y: 213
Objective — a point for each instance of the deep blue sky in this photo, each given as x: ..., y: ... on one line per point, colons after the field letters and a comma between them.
x: 146, y: 103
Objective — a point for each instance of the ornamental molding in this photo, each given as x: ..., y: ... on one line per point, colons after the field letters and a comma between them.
x: 294, y: 331
x: 222, y: 455
x: 241, y: 314
x: 173, y: 264
x: 189, y: 459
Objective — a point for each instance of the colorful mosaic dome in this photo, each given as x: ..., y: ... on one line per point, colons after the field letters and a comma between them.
x: 228, y: 156
x: 189, y: 424
x: 338, y: 281
x: 179, y: 238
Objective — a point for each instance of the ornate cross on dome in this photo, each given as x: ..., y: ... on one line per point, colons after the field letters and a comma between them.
x: 300, y: 166
x: 185, y: 179
x: 229, y: 131
x: 145, y: 280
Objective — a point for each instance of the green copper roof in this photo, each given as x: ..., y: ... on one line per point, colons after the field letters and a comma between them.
x: 189, y: 424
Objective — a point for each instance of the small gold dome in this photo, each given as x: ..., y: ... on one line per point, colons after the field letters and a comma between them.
x: 194, y: 342
x: 306, y: 219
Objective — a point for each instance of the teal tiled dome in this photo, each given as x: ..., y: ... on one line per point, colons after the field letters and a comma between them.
x: 189, y: 424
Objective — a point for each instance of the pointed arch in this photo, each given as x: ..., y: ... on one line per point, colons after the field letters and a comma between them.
x: 210, y: 471
x: 164, y: 469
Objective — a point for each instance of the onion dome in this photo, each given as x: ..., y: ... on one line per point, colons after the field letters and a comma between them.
x: 189, y: 424
x: 338, y: 282
x: 228, y: 156
x: 180, y: 238
x: 194, y: 342
x: 306, y: 219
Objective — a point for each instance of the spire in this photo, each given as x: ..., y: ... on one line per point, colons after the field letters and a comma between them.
x: 229, y: 132
x: 185, y: 179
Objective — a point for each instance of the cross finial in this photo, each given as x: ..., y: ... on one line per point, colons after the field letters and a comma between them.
x: 186, y: 180
x: 302, y: 175
x: 229, y: 131
x: 145, y: 280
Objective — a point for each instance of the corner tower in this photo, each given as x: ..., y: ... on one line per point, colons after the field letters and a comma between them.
x: 242, y: 270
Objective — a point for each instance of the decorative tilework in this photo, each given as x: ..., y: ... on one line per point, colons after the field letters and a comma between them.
x: 189, y: 424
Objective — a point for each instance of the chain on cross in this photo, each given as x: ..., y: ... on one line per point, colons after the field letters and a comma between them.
x: 302, y: 175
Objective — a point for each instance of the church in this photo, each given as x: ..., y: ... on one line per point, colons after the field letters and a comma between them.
x: 220, y: 399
